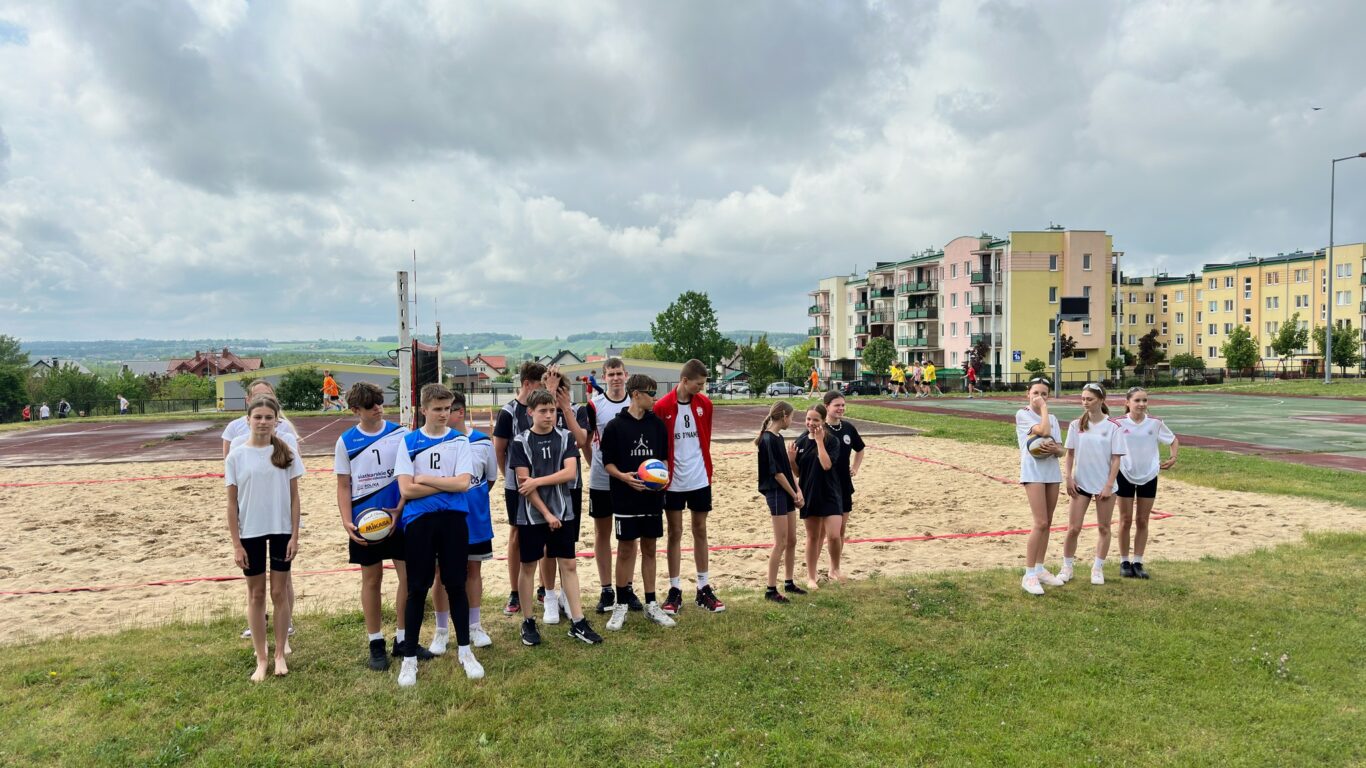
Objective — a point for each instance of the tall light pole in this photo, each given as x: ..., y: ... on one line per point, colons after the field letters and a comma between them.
x: 1328, y: 331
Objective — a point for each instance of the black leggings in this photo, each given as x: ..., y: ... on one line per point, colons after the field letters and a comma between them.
x: 436, y: 537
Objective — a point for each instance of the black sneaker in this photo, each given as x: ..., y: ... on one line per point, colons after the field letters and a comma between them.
x: 514, y: 605
x: 379, y: 660
x: 633, y: 602
x: 793, y: 589
x: 422, y: 653
x: 673, y: 602
x: 581, y: 630
x: 540, y: 595
x: 1126, y: 569
x: 1139, y: 572
x: 530, y: 635
x: 708, y: 600
x: 606, y: 600
x: 773, y: 595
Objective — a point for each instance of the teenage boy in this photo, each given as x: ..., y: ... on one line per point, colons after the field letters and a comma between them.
x: 364, y: 463
x: 578, y: 421
x: 687, y: 414
x: 635, y: 436
x: 545, y: 459
x: 434, y: 471
x: 512, y: 421
x: 479, y: 519
x: 605, y: 407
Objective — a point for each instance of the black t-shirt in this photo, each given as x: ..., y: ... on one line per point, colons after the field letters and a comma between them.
x: 513, y: 420
x: 820, y: 486
x: 850, y: 443
x: 773, y: 462
x: 627, y: 442
x: 544, y: 455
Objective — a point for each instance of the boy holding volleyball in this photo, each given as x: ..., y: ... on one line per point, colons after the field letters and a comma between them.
x: 635, y: 436
x: 364, y: 464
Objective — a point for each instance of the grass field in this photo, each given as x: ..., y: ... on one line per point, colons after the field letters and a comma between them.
x: 1255, y: 660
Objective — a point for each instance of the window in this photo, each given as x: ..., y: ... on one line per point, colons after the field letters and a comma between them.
x: 1164, y: 303
x: 1214, y: 306
x: 953, y: 358
x: 1149, y: 319
x: 1343, y: 298
x: 1212, y: 352
x: 1301, y: 275
x: 1133, y: 298
x: 1302, y: 301
x: 1247, y: 316
x: 953, y: 299
x: 1052, y: 262
x: 1131, y: 339
x: 1344, y: 270
x: 967, y: 267
x: 1086, y: 262
x: 953, y: 270
x: 1213, y: 283
x: 1273, y: 278
x: 1133, y: 319
x: 1053, y: 294
x: 1271, y: 326
x: 953, y: 329
x: 1273, y: 302
x: 1247, y: 287
x: 1199, y: 316
x: 1199, y: 294
x: 1164, y: 329
x: 1228, y: 282
x: 1078, y: 355
x: 1180, y: 317
x: 1180, y: 296
x: 1086, y: 291
x: 1228, y: 328
x: 1052, y: 325
x: 1228, y: 305
x: 967, y: 298
x: 1180, y: 340
x: 1213, y: 328
x: 1148, y: 298
x: 1086, y: 327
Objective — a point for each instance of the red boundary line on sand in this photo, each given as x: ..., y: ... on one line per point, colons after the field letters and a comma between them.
x: 1156, y: 515
x: 107, y: 480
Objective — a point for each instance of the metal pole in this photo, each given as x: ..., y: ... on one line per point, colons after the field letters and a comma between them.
x: 1328, y: 331
x: 405, y: 356
x: 1057, y: 354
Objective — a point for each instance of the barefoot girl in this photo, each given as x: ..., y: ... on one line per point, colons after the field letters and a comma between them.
x: 1040, y: 477
x: 1138, y: 477
x: 262, y: 477
x: 1095, y: 445
x: 779, y: 489
x: 813, y: 456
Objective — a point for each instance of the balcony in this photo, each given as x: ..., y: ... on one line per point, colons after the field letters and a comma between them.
x: 903, y: 341
x: 1363, y: 278
x: 817, y: 309
x: 817, y: 330
x: 923, y: 286
x: 918, y: 313
x: 858, y: 353
x: 861, y: 330
x: 880, y: 318
x: 905, y: 288
x: 917, y: 341
x: 986, y: 308
x: 993, y: 340
x: 861, y: 306
x: 884, y: 293
x: 981, y: 278
x: 822, y: 354
x: 1363, y: 308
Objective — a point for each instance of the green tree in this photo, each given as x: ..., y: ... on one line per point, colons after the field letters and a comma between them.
x: 128, y: 384
x: 981, y: 354
x: 1346, y: 353
x: 12, y: 353
x: 797, y: 362
x: 13, y: 393
x: 301, y: 389
x: 687, y: 329
x: 1149, y: 352
x: 1185, y: 361
x: 83, y: 390
x: 1290, y: 338
x: 1035, y: 366
x: 878, y: 356
x: 1240, y: 350
x: 1068, y: 345
x: 187, y: 386
x: 1128, y: 356
x: 761, y: 364
x: 642, y: 351
x: 1116, y: 366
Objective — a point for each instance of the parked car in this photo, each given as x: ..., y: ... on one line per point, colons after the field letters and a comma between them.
x: 783, y: 389
x: 738, y: 388
x: 864, y: 387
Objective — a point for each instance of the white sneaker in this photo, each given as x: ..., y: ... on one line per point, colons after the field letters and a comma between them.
x: 440, y: 640
x: 656, y: 614
x: 564, y: 606
x: 407, y: 673
x: 619, y: 612
x: 1030, y: 584
x: 478, y: 637
x: 1048, y: 579
x: 1097, y: 575
x: 1065, y: 573
x: 552, y: 607
x: 473, y: 669
x: 246, y: 634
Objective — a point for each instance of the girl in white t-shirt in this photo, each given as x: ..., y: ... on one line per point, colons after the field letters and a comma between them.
x: 1138, y: 477
x: 262, y: 478
x: 1040, y: 477
x: 1095, y: 445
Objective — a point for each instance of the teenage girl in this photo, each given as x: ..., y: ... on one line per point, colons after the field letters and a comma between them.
x: 1040, y: 477
x: 262, y: 477
x: 1138, y: 476
x: 851, y: 444
x: 813, y: 457
x: 918, y: 379
x: 1095, y: 445
x: 779, y: 489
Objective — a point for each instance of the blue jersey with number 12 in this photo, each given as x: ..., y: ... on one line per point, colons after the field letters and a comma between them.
x: 445, y: 456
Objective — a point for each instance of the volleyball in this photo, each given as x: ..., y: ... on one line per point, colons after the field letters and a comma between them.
x: 1039, y: 446
x: 374, y: 524
x: 654, y: 473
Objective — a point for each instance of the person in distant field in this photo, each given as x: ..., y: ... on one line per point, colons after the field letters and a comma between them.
x: 970, y: 379
x: 593, y: 383
x: 898, y: 384
x: 331, y: 392
x: 63, y: 408
x: 123, y: 405
x: 918, y: 379
x: 28, y: 413
x: 932, y: 380
x: 45, y: 413
x: 815, y: 380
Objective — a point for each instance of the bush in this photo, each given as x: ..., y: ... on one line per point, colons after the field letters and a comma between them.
x: 301, y: 389
x: 13, y: 393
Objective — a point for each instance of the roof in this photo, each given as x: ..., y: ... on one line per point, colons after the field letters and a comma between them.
x: 58, y: 362
x: 1280, y: 258
x: 494, y: 361
x: 221, y: 362
x: 143, y: 367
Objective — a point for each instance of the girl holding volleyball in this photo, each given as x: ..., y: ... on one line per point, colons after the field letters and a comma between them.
x: 262, y: 478
x: 813, y: 457
x: 1040, y: 476
x: 779, y: 489
x: 1138, y: 477
x: 1095, y: 445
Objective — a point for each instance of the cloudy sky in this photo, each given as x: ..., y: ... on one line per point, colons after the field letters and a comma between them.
x: 225, y: 168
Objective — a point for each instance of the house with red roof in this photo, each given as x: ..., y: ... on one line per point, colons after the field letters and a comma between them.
x: 212, y: 363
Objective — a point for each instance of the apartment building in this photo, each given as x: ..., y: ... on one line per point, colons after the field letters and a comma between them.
x: 832, y: 354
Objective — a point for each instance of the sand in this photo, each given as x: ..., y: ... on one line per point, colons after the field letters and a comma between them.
x: 138, y: 532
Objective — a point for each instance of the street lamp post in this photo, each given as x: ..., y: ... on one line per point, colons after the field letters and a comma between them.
x: 1328, y: 331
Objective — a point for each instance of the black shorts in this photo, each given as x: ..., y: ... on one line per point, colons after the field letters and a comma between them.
x: 481, y: 551
x: 1128, y: 490
x: 644, y: 527
x: 698, y: 500
x: 389, y: 548
x: 847, y: 501
x: 537, y: 541
x: 599, y: 504
x: 256, y: 553
x: 576, y: 501
x: 779, y: 503
x: 824, y: 508
x: 512, y: 499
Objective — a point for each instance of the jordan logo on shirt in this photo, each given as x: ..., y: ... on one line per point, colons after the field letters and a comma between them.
x: 641, y: 448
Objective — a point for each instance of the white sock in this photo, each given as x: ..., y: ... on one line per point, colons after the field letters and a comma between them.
x: 443, y: 619
x: 703, y: 579
x: 676, y: 582
x: 474, y: 617
x: 1100, y: 562
x: 376, y: 636
x: 400, y: 634
x: 1136, y: 559
x: 1069, y: 560
x: 465, y: 650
